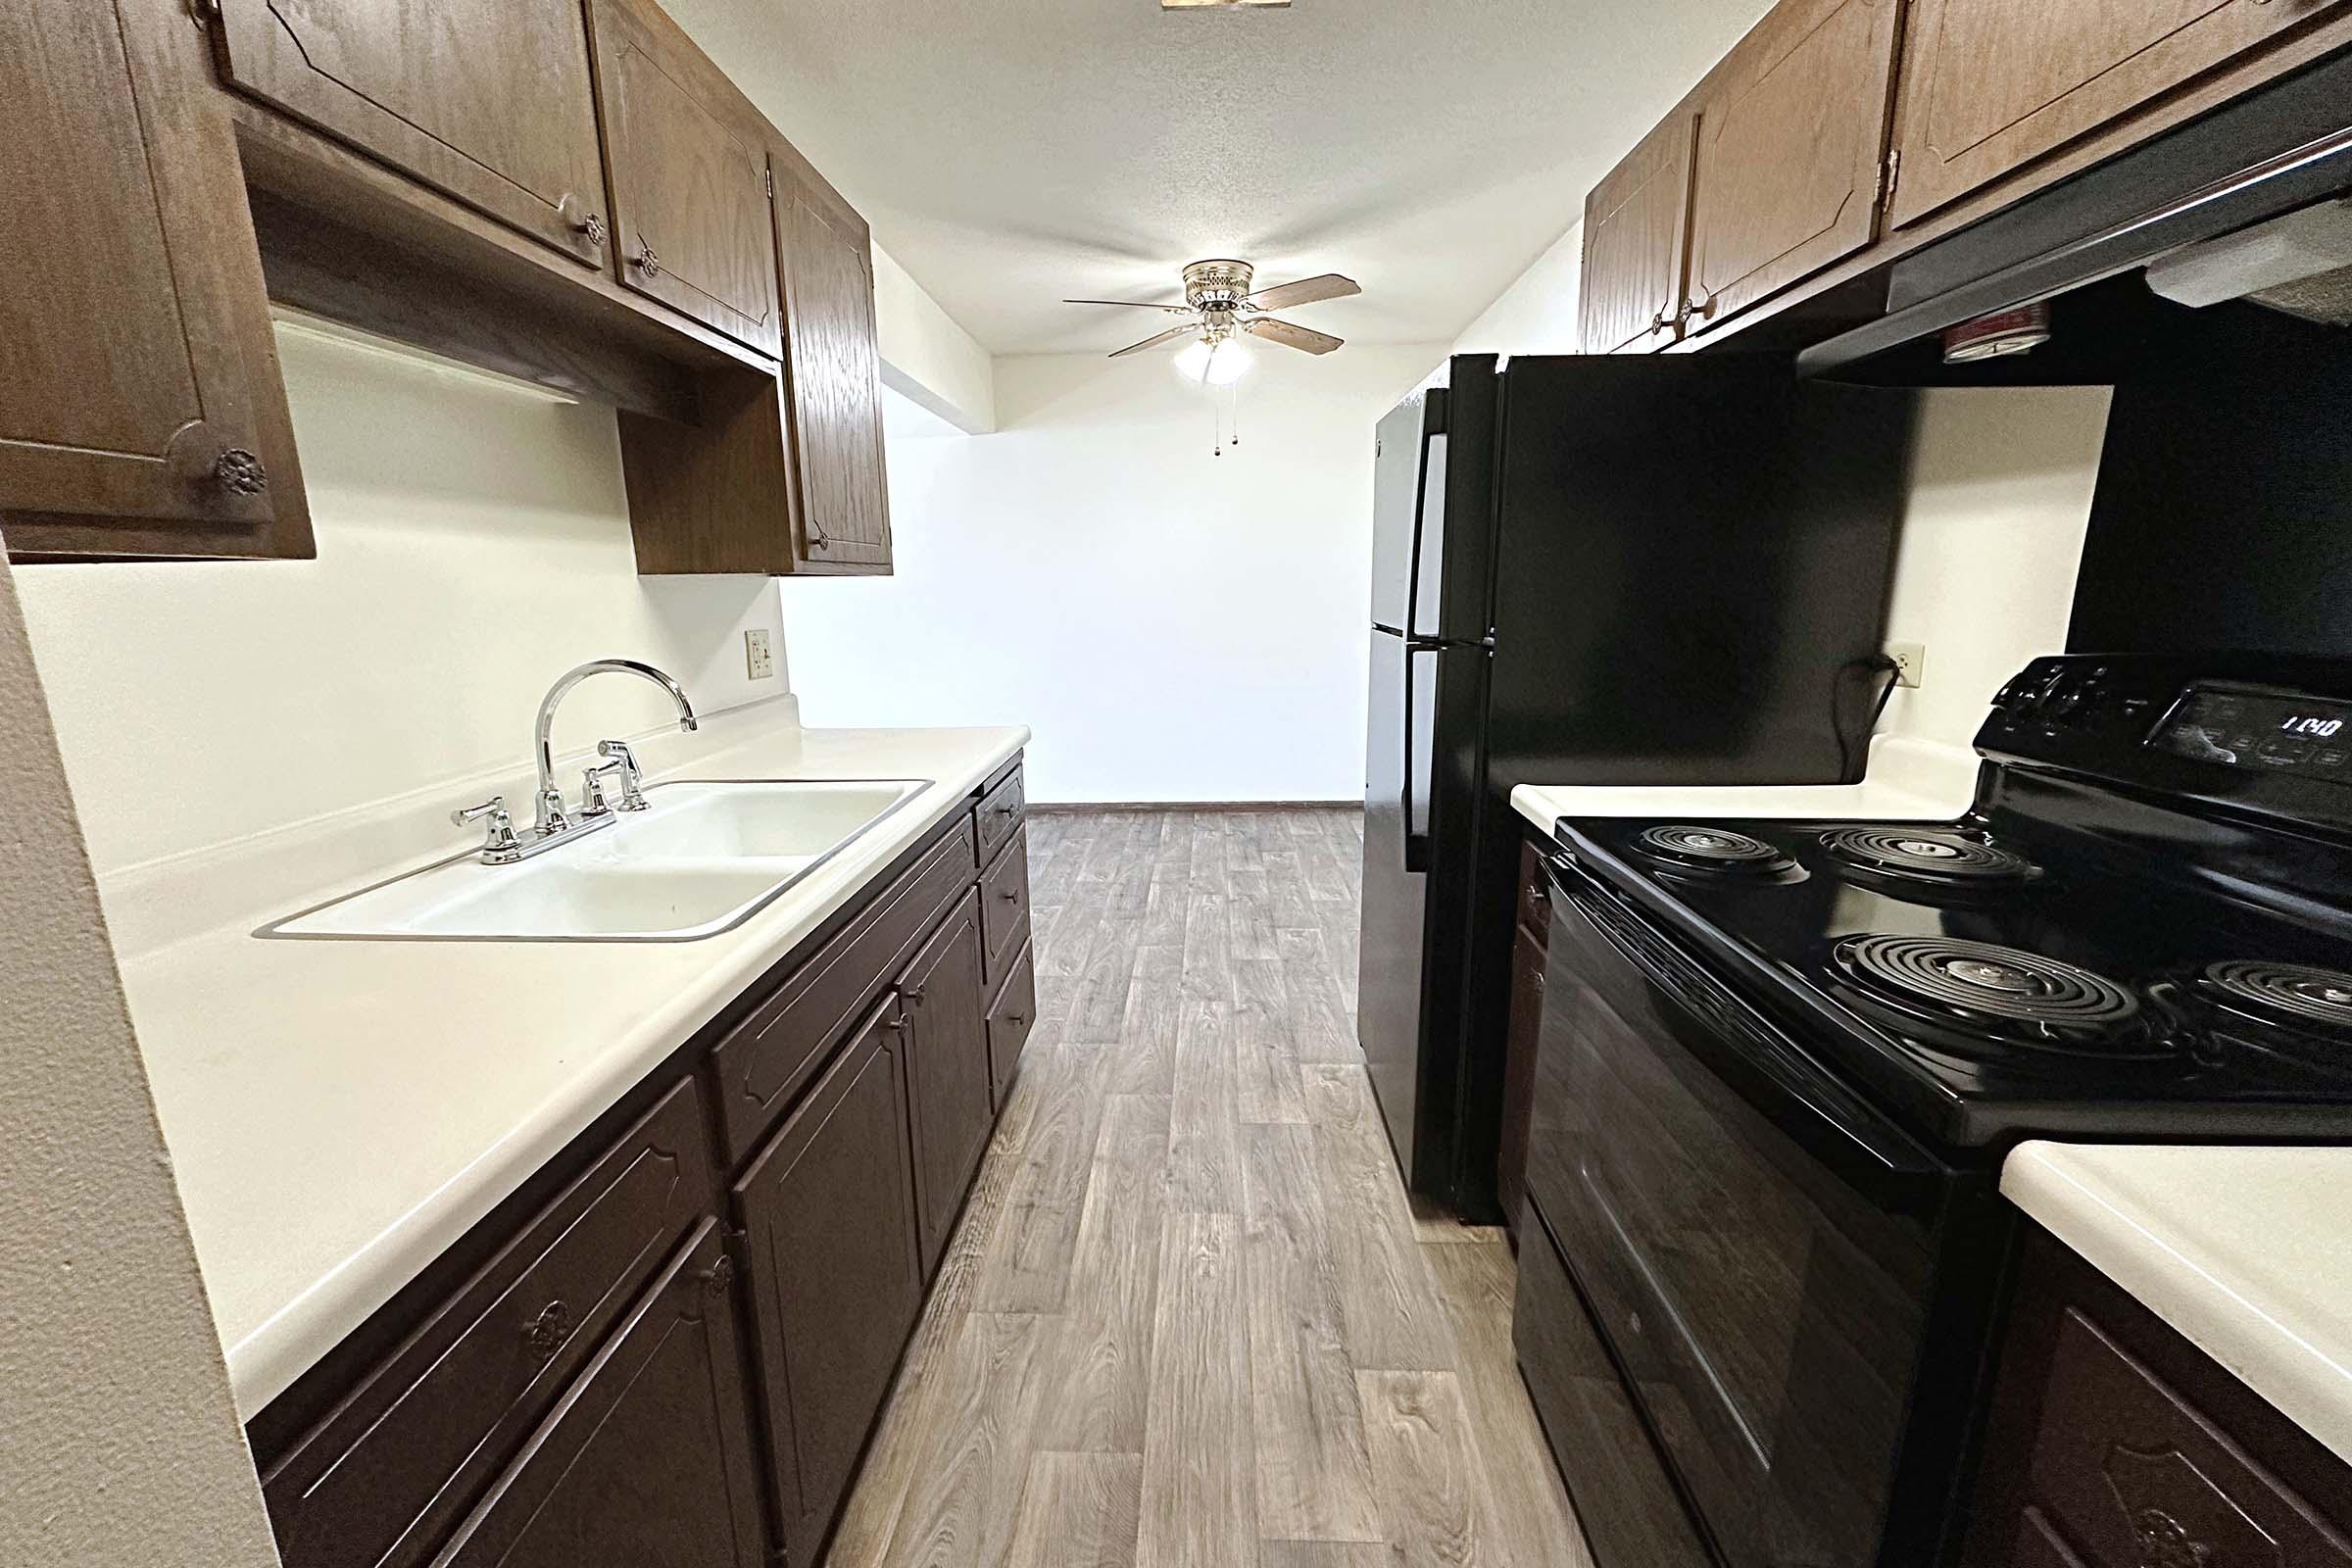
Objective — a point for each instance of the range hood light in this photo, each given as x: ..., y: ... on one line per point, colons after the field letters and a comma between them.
x: 2017, y: 330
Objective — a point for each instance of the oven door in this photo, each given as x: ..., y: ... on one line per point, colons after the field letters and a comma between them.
x: 1757, y: 1246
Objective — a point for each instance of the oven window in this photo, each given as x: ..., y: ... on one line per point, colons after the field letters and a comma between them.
x: 1768, y: 1315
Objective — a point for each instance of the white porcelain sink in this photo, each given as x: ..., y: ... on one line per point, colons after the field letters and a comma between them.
x: 702, y: 858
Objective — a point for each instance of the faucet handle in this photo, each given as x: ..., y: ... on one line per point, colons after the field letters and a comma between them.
x: 501, y: 824
x: 593, y: 801
x: 632, y: 797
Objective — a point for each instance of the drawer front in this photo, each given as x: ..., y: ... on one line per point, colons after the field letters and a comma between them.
x: 1011, y: 1017
x: 383, y: 1476
x: 2130, y: 1472
x: 1535, y: 894
x: 1000, y: 815
x: 1004, y: 906
x: 770, y: 1056
x: 649, y: 1460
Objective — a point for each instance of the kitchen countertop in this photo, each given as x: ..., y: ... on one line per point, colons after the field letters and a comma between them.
x: 2247, y: 1251
x: 1906, y: 780
x: 338, y: 1113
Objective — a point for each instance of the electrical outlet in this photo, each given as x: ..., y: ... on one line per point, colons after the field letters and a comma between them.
x: 1910, y: 662
x: 759, y: 655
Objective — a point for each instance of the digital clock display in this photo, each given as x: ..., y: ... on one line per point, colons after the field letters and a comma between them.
x: 2274, y: 732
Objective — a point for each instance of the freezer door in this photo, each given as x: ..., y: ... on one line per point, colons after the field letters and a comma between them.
x: 1399, y: 485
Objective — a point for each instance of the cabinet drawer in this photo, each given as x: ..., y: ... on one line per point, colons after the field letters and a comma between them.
x: 1004, y: 906
x: 1011, y: 1017
x: 383, y: 1476
x: 1535, y: 894
x: 1000, y: 815
x: 648, y: 1461
x: 765, y: 1059
x: 2129, y: 1472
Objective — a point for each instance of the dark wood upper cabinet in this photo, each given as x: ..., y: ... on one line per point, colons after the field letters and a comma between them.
x: 140, y: 408
x: 687, y: 161
x: 951, y: 1091
x: 648, y: 1461
x: 486, y: 100
x: 836, y: 376
x: 1636, y: 234
x: 827, y: 1212
x: 1791, y: 149
x: 1991, y: 86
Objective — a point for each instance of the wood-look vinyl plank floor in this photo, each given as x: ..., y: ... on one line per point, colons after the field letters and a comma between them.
x: 1190, y: 1316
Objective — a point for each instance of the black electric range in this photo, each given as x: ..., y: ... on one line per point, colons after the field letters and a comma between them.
x: 1779, y: 1063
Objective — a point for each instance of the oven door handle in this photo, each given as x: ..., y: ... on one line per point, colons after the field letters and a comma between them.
x: 1768, y: 1071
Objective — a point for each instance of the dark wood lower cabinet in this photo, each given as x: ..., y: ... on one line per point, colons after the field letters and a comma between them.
x: 569, y: 1387
x: 827, y: 1212
x: 2115, y: 1442
x: 946, y: 1043
x: 648, y: 1462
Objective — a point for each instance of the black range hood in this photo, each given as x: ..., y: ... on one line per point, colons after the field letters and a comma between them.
x: 2281, y: 148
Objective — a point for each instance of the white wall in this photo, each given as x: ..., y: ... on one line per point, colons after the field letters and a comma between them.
x: 1537, y: 313
x: 473, y: 544
x: 120, y: 1440
x: 1175, y: 625
x: 2001, y: 481
x: 926, y: 357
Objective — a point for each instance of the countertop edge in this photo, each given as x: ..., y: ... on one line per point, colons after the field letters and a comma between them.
x: 277, y: 1350
x: 2267, y: 1354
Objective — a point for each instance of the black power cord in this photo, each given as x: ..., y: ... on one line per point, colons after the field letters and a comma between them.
x: 1873, y: 664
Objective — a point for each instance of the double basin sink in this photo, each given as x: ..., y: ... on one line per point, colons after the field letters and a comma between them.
x: 701, y: 858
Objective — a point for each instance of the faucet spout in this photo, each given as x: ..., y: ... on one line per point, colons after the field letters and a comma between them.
x: 552, y: 817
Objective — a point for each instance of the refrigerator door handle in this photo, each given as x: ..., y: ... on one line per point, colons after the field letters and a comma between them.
x: 1433, y: 432
x: 1414, y: 811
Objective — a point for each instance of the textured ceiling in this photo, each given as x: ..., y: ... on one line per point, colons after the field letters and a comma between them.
x: 1012, y: 151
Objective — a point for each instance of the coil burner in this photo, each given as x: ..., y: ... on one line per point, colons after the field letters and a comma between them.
x: 1977, y: 994
x: 1715, y: 852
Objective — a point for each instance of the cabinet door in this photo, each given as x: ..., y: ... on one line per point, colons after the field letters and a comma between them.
x: 1989, y: 86
x: 946, y: 1070
x: 647, y: 1460
x: 1637, y: 227
x: 1519, y: 1070
x: 487, y: 100
x: 138, y: 378
x: 1792, y: 142
x: 688, y: 164
x: 829, y: 1217
x: 836, y: 375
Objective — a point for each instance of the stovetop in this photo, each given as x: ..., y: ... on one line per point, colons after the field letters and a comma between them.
x: 2000, y: 975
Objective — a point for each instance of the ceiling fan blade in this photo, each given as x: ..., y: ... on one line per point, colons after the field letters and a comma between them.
x: 1306, y: 291
x: 1141, y: 305
x: 1292, y: 337
x: 1170, y: 336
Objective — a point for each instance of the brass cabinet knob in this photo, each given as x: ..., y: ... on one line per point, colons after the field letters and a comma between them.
x: 239, y: 472
x: 647, y: 262
x: 592, y: 230
x: 817, y: 539
x: 544, y: 1335
x: 720, y: 1274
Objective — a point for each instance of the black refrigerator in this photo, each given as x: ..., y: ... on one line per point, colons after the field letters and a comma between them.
x: 1619, y: 570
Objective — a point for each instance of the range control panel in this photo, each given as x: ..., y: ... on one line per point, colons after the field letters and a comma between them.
x: 2238, y: 726
x: 2264, y: 732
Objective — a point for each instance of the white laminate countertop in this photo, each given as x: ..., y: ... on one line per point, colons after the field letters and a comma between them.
x: 2247, y: 1251
x: 1905, y: 781
x: 338, y: 1113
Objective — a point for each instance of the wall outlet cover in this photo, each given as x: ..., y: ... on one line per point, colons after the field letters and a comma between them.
x: 759, y: 654
x: 1911, y: 662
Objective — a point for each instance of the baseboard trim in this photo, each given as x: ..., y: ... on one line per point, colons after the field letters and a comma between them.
x: 1074, y: 808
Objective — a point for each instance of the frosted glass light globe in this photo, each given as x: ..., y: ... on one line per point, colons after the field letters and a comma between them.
x: 1222, y: 365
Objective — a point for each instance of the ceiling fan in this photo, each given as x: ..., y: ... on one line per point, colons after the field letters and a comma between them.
x: 1218, y: 306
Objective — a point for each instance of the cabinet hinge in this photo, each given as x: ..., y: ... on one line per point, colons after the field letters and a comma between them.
x: 1889, y: 172
x: 204, y: 11
x: 768, y: 177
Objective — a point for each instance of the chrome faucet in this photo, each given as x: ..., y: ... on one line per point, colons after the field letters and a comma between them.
x: 553, y: 819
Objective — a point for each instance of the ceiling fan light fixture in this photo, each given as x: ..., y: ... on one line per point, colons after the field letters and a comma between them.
x: 1203, y: 363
